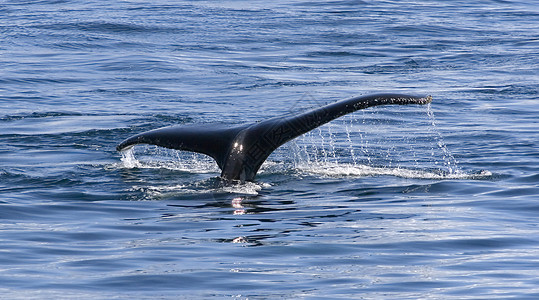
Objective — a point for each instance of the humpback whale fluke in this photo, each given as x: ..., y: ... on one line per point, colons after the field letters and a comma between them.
x: 240, y: 150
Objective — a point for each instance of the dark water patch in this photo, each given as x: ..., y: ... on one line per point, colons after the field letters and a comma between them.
x: 14, y: 212
x: 516, y: 192
x: 39, y: 80
x: 26, y: 98
x: 99, y: 265
x: 106, y: 27
x: 69, y: 128
x: 389, y: 68
x: 162, y: 7
x: 189, y: 278
x: 331, y: 4
x: 42, y: 2
x: 34, y: 115
x: 326, y: 54
x: 73, y: 45
x: 516, y: 209
x: 533, y: 179
x: 442, y: 246
x: 442, y: 30
x: 507, y: 90
x: 88, y: 195
x: 414, y: 192
x: 17, y: 183
x: 136, y: 64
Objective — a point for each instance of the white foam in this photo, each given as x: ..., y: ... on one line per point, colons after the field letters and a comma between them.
x: 199, y: 188
x: 246, y: 188
x: 330, y: 169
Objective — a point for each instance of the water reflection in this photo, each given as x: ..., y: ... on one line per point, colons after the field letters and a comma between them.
x: 236, y: 203
x: 231, y: 219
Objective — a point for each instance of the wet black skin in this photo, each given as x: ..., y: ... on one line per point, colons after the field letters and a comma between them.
x: 240, y: 150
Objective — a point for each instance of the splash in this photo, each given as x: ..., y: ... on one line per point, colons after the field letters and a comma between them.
x: 377, y: 143
x: 450, y: 162
x: 330, y: 169
x: 128, y: 159
x: 159, y: 158
x: 382, y: 142
x: 153, y: 157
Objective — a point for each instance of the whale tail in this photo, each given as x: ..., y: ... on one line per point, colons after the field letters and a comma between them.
x: 240, y: 150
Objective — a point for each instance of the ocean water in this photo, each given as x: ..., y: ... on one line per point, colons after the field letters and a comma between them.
x: 394, y: 202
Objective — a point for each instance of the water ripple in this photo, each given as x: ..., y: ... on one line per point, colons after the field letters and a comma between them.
x: 388, y: 203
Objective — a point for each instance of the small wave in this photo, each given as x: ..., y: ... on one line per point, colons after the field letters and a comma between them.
x: 331, y: 169
x: 336, y: 54
x: 105, y: 27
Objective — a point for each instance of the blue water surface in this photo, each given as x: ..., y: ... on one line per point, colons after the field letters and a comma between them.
x: 394, y: 202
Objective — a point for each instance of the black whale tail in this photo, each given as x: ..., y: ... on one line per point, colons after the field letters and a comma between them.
x: 240, y: 151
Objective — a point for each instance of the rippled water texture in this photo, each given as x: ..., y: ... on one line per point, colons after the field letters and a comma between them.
x: 394, y: 202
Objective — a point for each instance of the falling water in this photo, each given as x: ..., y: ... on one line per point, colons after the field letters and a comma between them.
x: 362, y: 150
x: 364, y: 144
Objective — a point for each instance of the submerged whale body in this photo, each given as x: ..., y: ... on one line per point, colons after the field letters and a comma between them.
x: 240, y: 150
